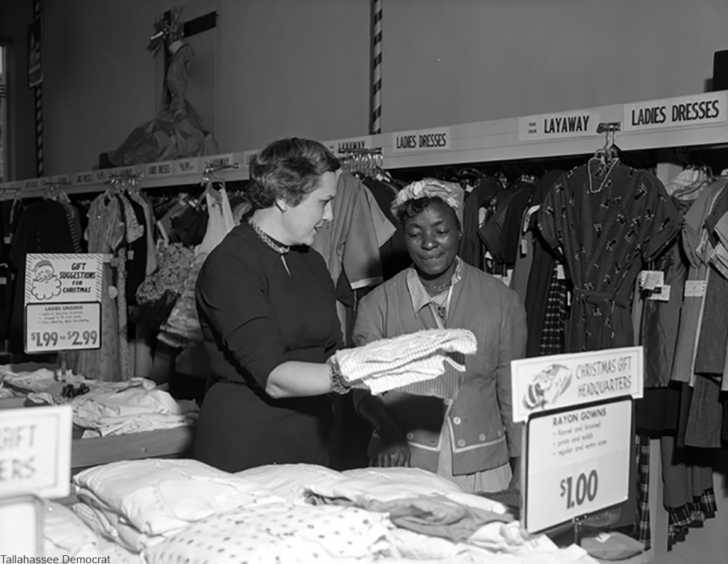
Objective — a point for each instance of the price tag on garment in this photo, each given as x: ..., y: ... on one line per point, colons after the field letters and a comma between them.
x: 524, y: 247
x: 577, y: 462
x: 35, y: 451
x: 63, y: 294
x: 560, y: 272
x: 661, y: 294
x: 651, y: 279
x: 695, y: 288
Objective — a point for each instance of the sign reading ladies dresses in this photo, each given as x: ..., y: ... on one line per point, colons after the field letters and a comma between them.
x: 437, y: 139
x: 699, y: 109
x: 63, y: 302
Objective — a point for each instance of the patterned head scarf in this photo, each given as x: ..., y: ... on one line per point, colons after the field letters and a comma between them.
x: 449, y: 192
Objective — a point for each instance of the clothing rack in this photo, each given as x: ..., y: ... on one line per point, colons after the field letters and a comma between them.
x: 686, y: 121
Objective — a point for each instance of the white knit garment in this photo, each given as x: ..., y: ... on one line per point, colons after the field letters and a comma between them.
x: 387, y: 364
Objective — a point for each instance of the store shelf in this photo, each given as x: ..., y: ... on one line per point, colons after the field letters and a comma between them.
x: 685, y: 121
x: 226, y: 166
x: 173, y: 442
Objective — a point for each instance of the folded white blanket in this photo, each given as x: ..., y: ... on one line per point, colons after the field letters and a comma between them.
x: 65, y: 536
x: 386, y: 364
x: 131, y: 410
x: 113, y: 527
x: 157, y: 496
x: 280, y: 533
x: 288, y: 481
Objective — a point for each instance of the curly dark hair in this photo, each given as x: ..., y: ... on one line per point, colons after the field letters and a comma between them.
x: 288, y: 169
x: 412, y: 207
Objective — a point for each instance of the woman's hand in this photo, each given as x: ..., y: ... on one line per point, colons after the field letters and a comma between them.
x: 397, y: 454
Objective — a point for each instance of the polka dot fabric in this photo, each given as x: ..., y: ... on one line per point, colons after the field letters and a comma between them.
x: 279, y: 533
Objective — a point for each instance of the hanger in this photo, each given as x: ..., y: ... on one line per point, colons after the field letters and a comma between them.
x: 610, y: 151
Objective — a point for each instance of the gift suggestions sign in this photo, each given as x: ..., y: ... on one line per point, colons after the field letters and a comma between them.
x: 63, y: 302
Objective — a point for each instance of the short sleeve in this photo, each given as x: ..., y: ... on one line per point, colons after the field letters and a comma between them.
x: 548, y: 219
x: 665, y: 218
x: 369, y: 324
x: 231, y: 301
x: 361, y: 260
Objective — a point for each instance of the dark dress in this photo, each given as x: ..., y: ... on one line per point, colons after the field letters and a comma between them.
x: 254, y: 316
x: 609, y: 219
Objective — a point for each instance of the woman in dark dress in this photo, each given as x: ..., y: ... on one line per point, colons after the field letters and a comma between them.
x: 267, y: 310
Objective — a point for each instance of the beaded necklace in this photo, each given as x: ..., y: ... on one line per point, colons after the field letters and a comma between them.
x: 279, y: 248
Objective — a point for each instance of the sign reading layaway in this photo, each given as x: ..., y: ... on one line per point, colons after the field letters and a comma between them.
x: 676, y: 112
x: 553, y: 126
x: 577, y: 462
x: 63, y: 302
x: 552, y: 382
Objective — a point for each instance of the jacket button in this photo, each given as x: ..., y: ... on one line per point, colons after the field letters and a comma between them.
x: 481, y: 436
x: 456, y: 420
x: 461, y: 443
x: 410, y: 436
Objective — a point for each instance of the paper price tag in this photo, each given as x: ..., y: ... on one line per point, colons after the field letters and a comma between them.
x: 524, y: 247
x: 651, y: 279
x: 560, y: 272
x: 661, y: 294
x: 695, y: 288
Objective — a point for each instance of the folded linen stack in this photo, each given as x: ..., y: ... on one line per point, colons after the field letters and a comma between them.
x: 139, y: 407
x: 66, y: 536
x: 139, y: 503
x: 386, y: 364
x: 436, y: 521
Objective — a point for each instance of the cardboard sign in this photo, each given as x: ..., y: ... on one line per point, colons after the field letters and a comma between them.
x: 35, y: 451
x: 62, y: 327
x: 83, y: 178
x: 161, y: 169
x: 342, y: 146
x: 21, y: 528
x: 577, y: 462
x: 436, y: 139
x: 675, y: 112
x: 559, y: 125
x: 60, y: 278
x: 63, y: 302
x: 563, y: 380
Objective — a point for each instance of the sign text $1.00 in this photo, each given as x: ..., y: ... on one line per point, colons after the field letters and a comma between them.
x: 45, y: 339
x: 577, y: 490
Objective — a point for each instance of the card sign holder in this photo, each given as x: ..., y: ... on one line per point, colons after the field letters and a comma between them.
x: 63, y: 295
x: 577, y: 462
x: 35, y: 463
x: 577, y: 409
